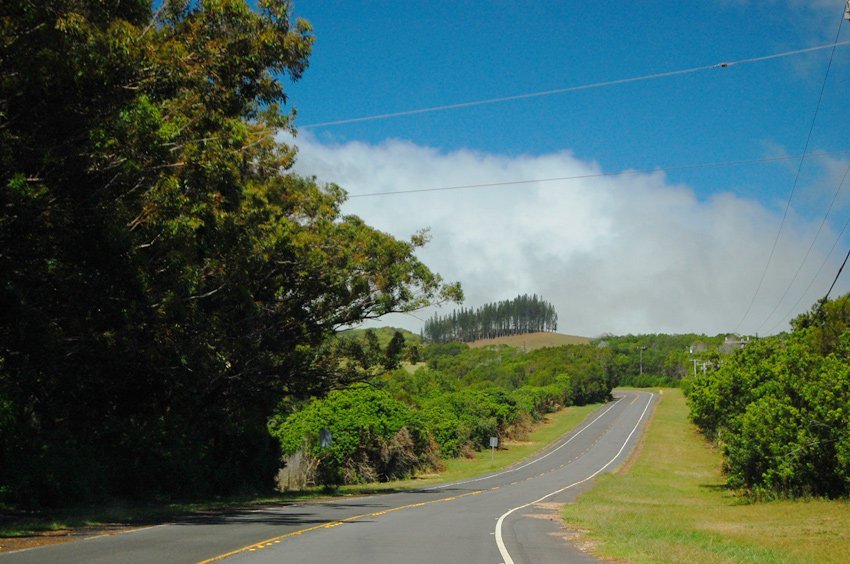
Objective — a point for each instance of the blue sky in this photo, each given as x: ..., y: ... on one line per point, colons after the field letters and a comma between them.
x: 674, y: 251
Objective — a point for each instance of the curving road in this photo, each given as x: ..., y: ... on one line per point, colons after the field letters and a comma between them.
x: 507, y: 517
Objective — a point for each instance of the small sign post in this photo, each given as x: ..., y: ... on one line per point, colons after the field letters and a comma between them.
x: 494, y: 442
x: 325, y: 438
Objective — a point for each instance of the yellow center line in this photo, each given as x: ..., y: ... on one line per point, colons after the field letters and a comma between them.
x: 330, y: 524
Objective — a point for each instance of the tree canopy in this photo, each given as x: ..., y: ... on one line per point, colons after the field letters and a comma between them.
x: 164, y: 279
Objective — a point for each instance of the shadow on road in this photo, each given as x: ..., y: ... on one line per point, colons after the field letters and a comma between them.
x: 310, y: 513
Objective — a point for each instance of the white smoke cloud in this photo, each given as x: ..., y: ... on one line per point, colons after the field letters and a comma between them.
x: 632, y: 253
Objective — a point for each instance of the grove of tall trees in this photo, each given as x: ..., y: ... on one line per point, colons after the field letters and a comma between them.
x: 523, y: 314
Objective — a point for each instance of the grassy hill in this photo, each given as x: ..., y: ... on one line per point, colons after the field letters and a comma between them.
x: 529, y: 341
x: 532, y: 341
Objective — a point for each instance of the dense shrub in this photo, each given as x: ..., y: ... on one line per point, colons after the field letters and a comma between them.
x: 373, y: 437
x: 537, y: 401
x: 780, y: 409
x: 450, y: 407
x: 465, y: 420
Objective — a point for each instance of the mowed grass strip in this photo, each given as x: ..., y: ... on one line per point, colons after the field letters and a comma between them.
x: 670, y: 506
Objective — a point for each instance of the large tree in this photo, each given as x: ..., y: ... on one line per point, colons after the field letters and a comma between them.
x: 164, y: 280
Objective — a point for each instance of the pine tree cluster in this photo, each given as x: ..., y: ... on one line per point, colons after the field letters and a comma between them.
x: 524, y: 314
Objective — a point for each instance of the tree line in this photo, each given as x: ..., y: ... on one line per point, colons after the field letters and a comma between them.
x: 524, y: 314
x: 658, y: 359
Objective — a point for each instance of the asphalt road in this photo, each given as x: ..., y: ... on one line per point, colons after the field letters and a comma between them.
x: 511, y: 516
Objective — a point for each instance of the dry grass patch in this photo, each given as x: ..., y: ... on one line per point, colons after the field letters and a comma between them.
x: 532, y: 341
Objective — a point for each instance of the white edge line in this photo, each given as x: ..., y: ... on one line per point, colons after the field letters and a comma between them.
x: 535, y: 461
x: 506, y: 557
x: 127, y: 532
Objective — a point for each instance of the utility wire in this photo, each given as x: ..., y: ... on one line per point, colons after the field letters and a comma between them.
x: 796, y: 179
x: 499, y: 100
x: 793, y: 308
x: 826, y: 297
x: 414, y: 316
x: 601, y: 174
x: 809, y: 251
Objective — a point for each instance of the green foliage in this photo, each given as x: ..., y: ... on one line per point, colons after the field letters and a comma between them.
x: 468, y: 418
x: 372, y: 436
x: 824, y: 325
x: 539, y: 400
x: 468, y: 395
x: 781, y: 409
x: 366, y: 355
x: 164, y: 281
x: 435, y: 350
x: 662, y: 360
x: 394, y: 351
x: 717, y: 396
x: 451, y: 407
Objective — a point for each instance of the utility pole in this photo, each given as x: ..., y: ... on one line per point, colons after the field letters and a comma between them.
x: 641, y: 360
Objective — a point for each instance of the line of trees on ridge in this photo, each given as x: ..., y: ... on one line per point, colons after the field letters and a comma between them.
x: 524, y: 314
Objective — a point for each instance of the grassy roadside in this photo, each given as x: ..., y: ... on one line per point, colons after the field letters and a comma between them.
x: 670, y: 506
x: 23, y: 524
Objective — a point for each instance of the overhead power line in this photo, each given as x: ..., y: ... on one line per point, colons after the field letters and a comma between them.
x: 808, y: 252
x: 793, y: 308
x: 837, y: 274
x: 796, y: 180
x: 675, y: 168
x: 565, y: 90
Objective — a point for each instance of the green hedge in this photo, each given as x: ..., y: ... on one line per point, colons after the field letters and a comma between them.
x: 780, y: 410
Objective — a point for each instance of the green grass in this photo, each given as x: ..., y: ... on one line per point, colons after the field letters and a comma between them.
x: 671, y: 505
x: 15, y: 523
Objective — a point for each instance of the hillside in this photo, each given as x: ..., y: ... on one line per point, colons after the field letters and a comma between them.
x: 384, y: 334
x: 532, y: 341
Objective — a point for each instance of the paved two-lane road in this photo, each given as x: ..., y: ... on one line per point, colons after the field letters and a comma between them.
x: 510, y: 516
